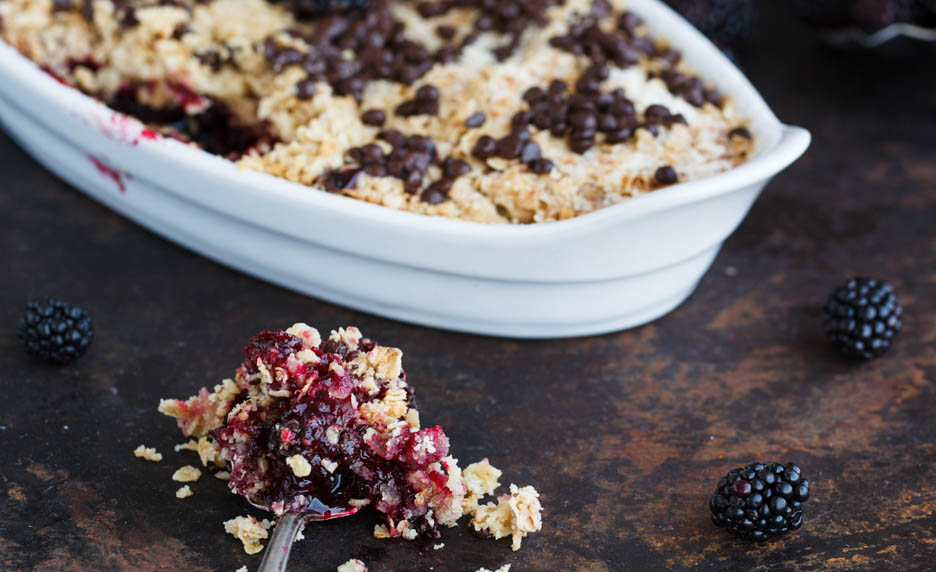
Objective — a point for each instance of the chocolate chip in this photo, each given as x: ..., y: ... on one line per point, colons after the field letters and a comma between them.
x: 510, y: 146
x: 584, y: 120
x: 393, y: 137
x: 447, y: 54
x: 533, y: 95
x: 619, y: 136
x: 740, y: 132
x: 412, y: 182
x: 656, y: 114
x: 427, y: 92
x: 376, y: 170
x: 371, y: 153
x: 653, y: 129
x: 540, y: 166
x: 542, y: 120
x: 558, y: 128
x: 607, y: 122
x: 531, y: 152
x: 666, y: 175
x: 485, y: 147
x: 453, y: 168
x: 286, y: 57
x: 432, y: 9
x: 437, y: 192
x: 521, y: 119
x: 305, y: 89
x: 374, y: 117
x: 335, y: 181
x: 557, y: 87
x: 586, y: 84
x: 61, y: 5
x: 421, y: 144
x: 580, y: 146
x: 674, y: 119
x: 476, y: 120
x: 445, y: 32
x: 180, y: 30
x: 629, y: 22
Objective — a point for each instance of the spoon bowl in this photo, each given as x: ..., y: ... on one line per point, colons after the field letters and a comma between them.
x: 289, y: 524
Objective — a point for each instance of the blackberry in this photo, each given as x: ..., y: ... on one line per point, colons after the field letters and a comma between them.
x: 313, y: 8
x: 760, y: 501
x: 54, y: 330
x: 863, y: 317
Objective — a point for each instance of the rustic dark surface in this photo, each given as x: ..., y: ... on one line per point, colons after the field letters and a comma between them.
x: 624, y: 435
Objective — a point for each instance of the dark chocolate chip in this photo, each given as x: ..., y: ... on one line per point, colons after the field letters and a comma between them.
x: 305, y: 89
x: 476, y: 120
x: 666, y: 175
x: 485, y: 147
x: 374, y: 117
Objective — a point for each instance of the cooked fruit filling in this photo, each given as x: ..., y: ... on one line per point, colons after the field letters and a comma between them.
x: 330, y: 426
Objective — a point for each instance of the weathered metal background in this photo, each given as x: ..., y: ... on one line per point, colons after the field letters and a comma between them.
x: 624, y: 435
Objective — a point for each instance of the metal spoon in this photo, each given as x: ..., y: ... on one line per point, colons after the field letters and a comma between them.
x: 288, y: 524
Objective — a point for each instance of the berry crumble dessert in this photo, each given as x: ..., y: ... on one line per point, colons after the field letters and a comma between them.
x: 510, y: 111
x: 330, y: 426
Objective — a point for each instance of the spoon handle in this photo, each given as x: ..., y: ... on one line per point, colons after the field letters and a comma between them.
x: 277, y: 550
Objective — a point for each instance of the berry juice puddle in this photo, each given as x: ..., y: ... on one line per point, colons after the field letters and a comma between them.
x: 516, y: 111
x: 311, y: 425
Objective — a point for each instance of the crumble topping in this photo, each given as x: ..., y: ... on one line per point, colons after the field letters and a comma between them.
x: 186, y: 474
x: 147, y: 453
x: 330, y: 425
x: 519, y: 112
x: 504, y: 568
x: 514, y: 515
x: 353, y: 565
x: 300, y: 467
x: 190, y: 445
x: 249, y: 531
x: 184, y: 492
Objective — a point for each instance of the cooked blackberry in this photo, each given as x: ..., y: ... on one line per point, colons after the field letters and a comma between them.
x: 54, y: 330
x: 760, y: 501
x: 725, y: 22
x: 863, y: 317
x: 311, y: 8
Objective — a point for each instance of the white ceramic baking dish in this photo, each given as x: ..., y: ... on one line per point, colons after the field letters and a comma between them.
x: 609, y: 270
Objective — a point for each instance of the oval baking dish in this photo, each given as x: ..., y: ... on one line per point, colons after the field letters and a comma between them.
x: 615, y: 268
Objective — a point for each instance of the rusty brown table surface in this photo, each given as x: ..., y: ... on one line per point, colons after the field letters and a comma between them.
x: 624, y: 435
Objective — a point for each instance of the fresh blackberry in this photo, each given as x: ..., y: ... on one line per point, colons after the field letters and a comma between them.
x: 312, y: 8
x: 760, y: 501
x: 54, y: 330
x: 725, y: 22
x: 863, y: 317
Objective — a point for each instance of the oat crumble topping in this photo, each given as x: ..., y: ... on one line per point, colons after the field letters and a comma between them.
x: 504, y: 568
x: 514, y: 515
x: 184, y: 492
x: 249, y: 531
x: 446, y: 108
x: 147, y: 453
x: 353, y: 565
x: 186, y: 474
